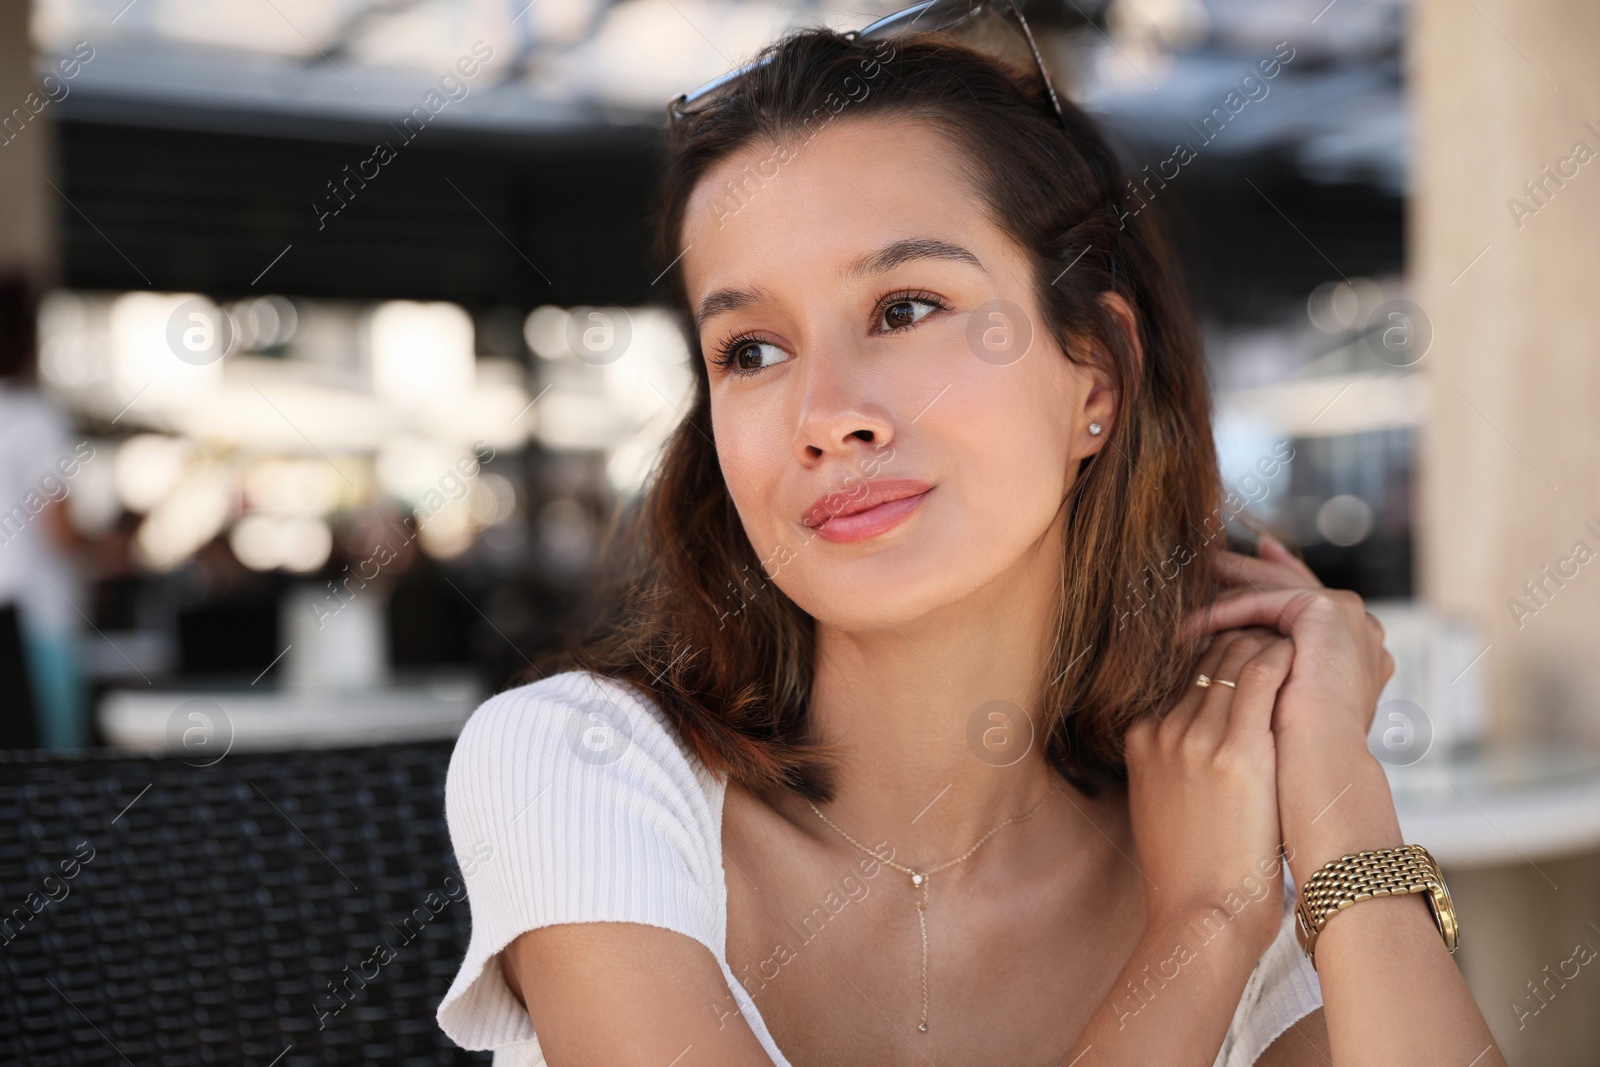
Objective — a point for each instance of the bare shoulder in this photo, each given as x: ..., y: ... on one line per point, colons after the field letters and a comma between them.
x: 627, y: 994
x: 1304, y: 1044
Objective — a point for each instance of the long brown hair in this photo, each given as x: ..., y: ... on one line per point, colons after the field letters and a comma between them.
x: 698, y: 626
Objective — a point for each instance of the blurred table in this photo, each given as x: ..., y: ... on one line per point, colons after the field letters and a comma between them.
x: 212, y: 722
x: 1487, y: 807
x: 1471, y: 808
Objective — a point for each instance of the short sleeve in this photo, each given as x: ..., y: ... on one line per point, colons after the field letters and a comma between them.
x: 570, y: 800
x: 1282, y: 990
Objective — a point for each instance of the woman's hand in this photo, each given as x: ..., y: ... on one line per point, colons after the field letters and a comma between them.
x: 1274, y: 568
x: 1202, y: 792
x: 1333, y: 797
x: 1202, y: 801
x: 1340, y: 666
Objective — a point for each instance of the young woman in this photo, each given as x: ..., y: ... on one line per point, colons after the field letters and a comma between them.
x: 940, y: 726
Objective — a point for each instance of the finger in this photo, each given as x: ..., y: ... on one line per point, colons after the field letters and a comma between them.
x: 1210, y: 722
x: 1272, y: 548
x: 1136, y: 739
x: 1177, y: 720
x: 1276, y: 608
x: 1376, y: 625
x: 1237, y: 569
x: 1259, y: 682
x: 1206, y: 668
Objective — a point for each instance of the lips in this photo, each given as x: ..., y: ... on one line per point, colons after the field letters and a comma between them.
x: 842, y: 504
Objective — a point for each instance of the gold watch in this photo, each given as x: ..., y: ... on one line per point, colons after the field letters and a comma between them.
x: 1361, y: 876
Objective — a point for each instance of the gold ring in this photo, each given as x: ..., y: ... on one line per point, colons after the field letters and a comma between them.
x: 1224, y: 681
x: 1203, y: 681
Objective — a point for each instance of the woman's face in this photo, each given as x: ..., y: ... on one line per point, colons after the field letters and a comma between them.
x: 881, y: 335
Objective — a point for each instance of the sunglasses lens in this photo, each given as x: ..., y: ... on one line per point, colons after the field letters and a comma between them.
x: 932, y: 15
x: 929, y: 15
x: 712, y: 92
x: 993, y: 26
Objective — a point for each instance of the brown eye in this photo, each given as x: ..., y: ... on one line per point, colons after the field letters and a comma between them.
x: 750, y: 356
x: 906, y: 312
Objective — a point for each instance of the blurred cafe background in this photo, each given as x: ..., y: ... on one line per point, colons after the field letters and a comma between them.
x: 330, y: 350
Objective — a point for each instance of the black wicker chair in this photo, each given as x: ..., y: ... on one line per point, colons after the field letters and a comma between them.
x: 283, y: 908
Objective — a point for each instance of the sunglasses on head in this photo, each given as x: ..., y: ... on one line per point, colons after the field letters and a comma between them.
x: 995, y: 27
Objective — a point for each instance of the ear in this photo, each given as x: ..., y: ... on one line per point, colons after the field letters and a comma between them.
x: 1098, y: 400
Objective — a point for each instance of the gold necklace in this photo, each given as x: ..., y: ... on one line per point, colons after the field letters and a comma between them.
x: 924, y: 880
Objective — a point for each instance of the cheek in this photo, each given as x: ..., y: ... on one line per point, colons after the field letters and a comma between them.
x: 752, y: 451
x: 1006, y: 438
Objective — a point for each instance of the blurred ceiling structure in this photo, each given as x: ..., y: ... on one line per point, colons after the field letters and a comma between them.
x: 560, y: 63
x: 203, y: 140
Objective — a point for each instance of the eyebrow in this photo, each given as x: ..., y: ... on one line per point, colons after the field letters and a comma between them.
x: 885, y: 259
x: 907, y: 250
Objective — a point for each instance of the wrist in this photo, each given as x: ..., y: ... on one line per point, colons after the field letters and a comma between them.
x: 1194, y: 978
x: 1216, y: 937
x: 1336, y: 814
x: 1380, y: 881
x: 1319, y: 729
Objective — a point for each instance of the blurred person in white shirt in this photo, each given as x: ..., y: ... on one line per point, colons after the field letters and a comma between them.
x: 39, y: 454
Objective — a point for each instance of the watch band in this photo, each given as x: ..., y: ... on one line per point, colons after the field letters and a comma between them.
x: 1372, y: 873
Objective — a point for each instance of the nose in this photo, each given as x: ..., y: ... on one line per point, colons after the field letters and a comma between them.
x: 837, y: 418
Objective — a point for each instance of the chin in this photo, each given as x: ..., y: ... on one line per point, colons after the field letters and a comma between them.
x: 896, y: 586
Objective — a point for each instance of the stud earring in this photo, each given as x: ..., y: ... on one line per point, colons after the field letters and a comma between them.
x: 1094, y: 428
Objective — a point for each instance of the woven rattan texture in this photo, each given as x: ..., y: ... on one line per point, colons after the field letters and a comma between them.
x: 287, y: 908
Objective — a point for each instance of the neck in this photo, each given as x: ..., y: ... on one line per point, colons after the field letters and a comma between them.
x: 939, y: 723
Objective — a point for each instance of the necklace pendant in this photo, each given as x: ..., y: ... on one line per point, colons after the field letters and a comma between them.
x: 923, y: 1028
x: 916, y: 879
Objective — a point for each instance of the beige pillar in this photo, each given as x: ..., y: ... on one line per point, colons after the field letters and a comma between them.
x: 1505, y: 259
x: 1505, y: 254
x: 27, y: 152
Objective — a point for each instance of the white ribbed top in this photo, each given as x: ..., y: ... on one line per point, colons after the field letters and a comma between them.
x: 572, y: 800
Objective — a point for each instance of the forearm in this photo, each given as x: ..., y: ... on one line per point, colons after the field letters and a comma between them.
x: 1173, y: 1001
x: 1391, y: 991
